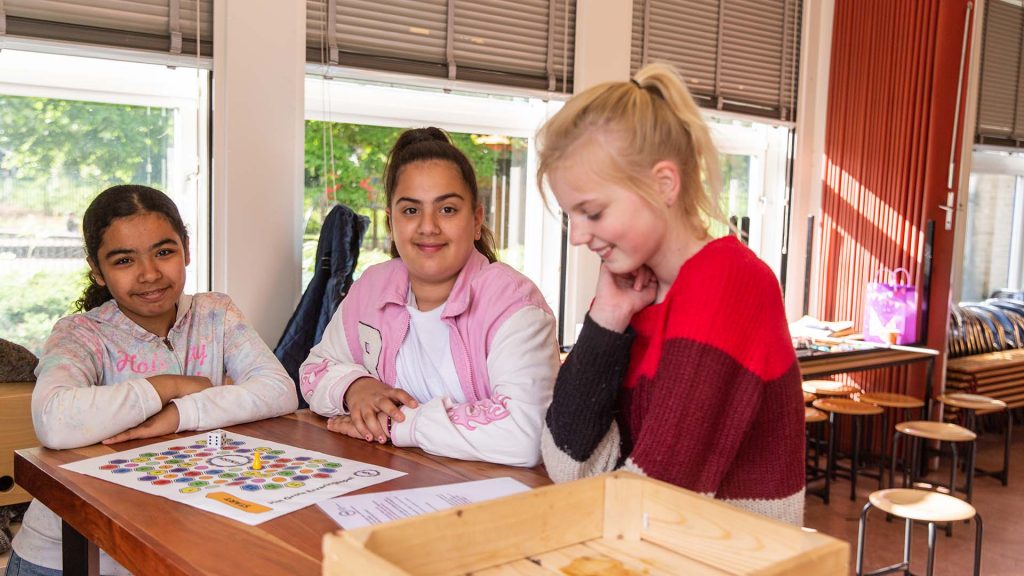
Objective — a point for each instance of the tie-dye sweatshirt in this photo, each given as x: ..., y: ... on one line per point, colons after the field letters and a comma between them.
x: 92, y: 385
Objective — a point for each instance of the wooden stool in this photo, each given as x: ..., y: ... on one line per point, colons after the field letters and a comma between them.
x: 886, y: 400
x: 829, y: 388
x: 856, y: 410
x: 923, y: 506
x: 971, y: 404
x: 920, y: 430
x: 808, y: 397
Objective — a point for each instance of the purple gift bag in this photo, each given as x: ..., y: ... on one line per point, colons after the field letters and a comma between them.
x: 890, y: 310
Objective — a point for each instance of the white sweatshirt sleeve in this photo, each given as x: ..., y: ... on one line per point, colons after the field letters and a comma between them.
x: 329, y: 370
x: 505, y: 428
x: 69, y: 406
x: 261, y: 388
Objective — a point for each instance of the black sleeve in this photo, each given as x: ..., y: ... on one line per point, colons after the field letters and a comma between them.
x: 584, y: 403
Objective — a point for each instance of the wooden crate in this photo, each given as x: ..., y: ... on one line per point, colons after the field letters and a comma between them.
x: 617, y: 524
x: 16, y: 432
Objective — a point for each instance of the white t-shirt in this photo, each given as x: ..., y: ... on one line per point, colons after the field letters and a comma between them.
x: 426, y: 369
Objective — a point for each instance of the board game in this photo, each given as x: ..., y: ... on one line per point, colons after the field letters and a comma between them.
x: 247, y: 479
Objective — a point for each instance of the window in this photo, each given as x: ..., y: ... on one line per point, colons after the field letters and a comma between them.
x: 753, y: 159
x: 69, y: 128
x: 352, y: 125
x: 994, y: 239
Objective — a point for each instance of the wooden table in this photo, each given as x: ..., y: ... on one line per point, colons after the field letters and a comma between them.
x: 823, y: 364
x: 152, y: 535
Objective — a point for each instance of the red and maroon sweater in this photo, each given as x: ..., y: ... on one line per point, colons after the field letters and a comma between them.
x: 702, y: 391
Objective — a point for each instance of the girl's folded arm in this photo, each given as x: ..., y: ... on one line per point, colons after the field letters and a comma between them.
x: 329, y: 370
x: 261, y: 388
x: 69, y: 407
x: 506, y: 427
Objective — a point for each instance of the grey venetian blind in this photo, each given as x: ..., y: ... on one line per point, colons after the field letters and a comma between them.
x: 523, y: 43
x: 736, y: 55
x: 158, y: 25
x: 1001, y: 93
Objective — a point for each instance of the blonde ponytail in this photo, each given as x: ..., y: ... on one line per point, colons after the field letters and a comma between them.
x: 641, y: 122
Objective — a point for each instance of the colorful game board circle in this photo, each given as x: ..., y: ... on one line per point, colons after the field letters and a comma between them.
x: 189, y: 490
x: 161, y: 482
x: 148, y: 478
x: 118, y: 461
x: 321, y: 475
x: 250, y: 487
x: 147, y: 454
x: 170, y: 476
x: 229, y: 460
x: 198, y: 484
x: 109, y: 467
x: 300, y: 477
x: 295, y: 484
x: 272, y: 486
x: 332, y: 465
x: 327, y: 470
x: 121, y: 470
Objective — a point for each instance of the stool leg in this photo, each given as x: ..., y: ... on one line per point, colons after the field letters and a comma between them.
x: 931, y: 548
x: 1005, y: 476
x: 952, y: 470
x: 831, y: 458
x: 881, y: 446
x: 908, y: 524
x: 892, y: 462
x: 977, y: 544
x: 861, y: 529
x: 856, y: 456
x: 952, y: 481
x: 970, y: 469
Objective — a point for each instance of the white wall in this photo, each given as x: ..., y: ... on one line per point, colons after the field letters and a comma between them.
x: 808, y: 164
x: 603, y: 33
x: 258, y: 139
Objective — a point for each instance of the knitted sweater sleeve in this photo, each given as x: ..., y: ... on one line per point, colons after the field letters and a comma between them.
x: 581, y: 437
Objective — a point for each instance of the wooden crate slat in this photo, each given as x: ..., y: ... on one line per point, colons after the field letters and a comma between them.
x: 524, y: 567
x: 649, y: 558
x: 462, y: 539
x: 734, y: 540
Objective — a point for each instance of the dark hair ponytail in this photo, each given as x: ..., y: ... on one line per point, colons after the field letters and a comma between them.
x: 421, y: 144
x: 120, y: 202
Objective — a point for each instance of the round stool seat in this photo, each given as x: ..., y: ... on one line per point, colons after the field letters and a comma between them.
x: 972, y: 401
x: 808, y: 397
x: 846, y: 406
x: 812, y: 415
x: 936, y: 431
x: 829, y: 388
x: 891, y: 400
x: 922, y: 505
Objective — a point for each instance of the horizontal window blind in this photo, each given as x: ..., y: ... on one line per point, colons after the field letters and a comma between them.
x: 736, y: 55
x: 158, y: 25
x: 522, y: 43
x: 1000, y: 101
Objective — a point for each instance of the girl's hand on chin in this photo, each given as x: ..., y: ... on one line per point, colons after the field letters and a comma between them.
x: 620, y: 296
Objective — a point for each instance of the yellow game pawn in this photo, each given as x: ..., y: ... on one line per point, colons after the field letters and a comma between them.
x: 256, y: 463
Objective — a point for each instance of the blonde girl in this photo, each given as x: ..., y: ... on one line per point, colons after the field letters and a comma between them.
x: 684, y: 370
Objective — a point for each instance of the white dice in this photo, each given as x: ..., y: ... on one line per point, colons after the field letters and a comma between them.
x: 216, y: 439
